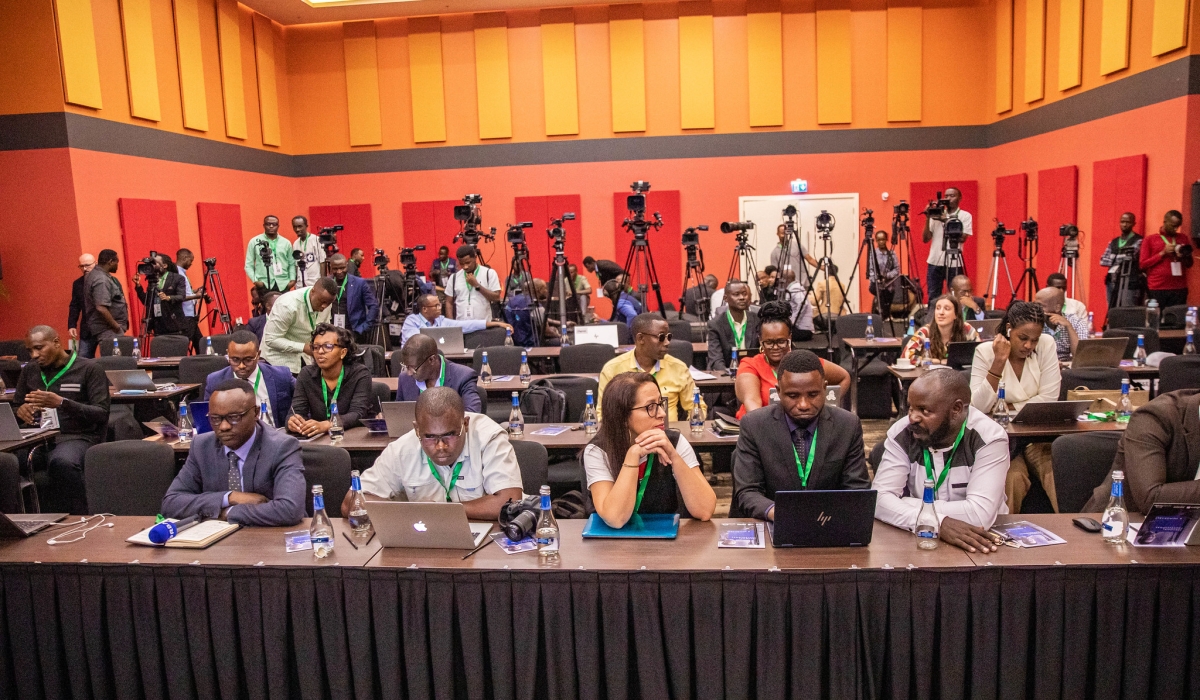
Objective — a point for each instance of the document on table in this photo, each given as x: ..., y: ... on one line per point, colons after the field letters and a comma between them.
x: 198, y: 536
x: 699, y: 376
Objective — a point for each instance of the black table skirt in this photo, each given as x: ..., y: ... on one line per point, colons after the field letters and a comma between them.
x: 109, y: 631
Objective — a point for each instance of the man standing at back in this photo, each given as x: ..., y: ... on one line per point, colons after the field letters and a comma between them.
x: 105, y: 311
x: 935, y: 226
x: 279, y: 274
x: 354, y: 306
x: 310, y: 250
x: 183, y: 262
x: 75, y: 312
x: 473, y: 289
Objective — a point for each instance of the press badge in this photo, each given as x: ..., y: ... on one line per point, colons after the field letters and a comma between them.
x: 1177, y: 269
x: 339, y: 320
x: 50, y: 419
x: 277, y: 267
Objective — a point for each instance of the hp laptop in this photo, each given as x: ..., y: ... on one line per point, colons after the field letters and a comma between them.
x: 986, y: 328
x: 26, y: 524
x: 1050, y: 412
x: 1099, y: 352
x: 959, y: 355
x: 449, y: 339
x: 425, y: 525
x: 823, y: 518
x: 399, y: 416
x: 130, y: 380
x: 9, y: 430
x: 605, y: 334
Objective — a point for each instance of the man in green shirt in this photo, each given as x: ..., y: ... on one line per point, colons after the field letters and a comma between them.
x: 280, y: 274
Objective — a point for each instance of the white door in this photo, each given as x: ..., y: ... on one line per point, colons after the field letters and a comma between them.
x: 767, y: 214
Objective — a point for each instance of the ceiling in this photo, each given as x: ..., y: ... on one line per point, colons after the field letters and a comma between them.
x: 301, y: 12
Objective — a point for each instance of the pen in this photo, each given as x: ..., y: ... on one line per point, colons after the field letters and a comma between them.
x: 349, y: 540
x: 483, y: 544
x: 370, y: 538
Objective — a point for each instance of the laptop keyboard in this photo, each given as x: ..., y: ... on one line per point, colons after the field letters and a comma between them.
x: 31, y: 526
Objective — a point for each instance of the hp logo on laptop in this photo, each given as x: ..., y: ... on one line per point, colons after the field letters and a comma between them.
x: 822, y: 519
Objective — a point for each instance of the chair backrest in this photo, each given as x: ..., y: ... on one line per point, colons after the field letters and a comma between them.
x: 373, y: 357
x: 194, y: 369
x: 876, y: 455
x: 330, y: 467
x: 1081, y: 463
x: 220, y: 343
x: 503, y: 359
x: 994, y: 313
x: 1098, y: 378
x: 10, y: 484
x: 484, y: 338
x: 1179, y: 372
x: 381, y: 393
x: 1174, y: 316
x: 169, y: 346
x: 125, y: 342
x: 394, y: 366
x: 109, y: 362
x: 576, y: 389
x: 1126, y: 317
x: 534, y: 463
x: 129, y: 477
x: 17, y: 348
x: 1151, y: 338
x: 680, y: 329
x: 682, y: 351
x: 855, y: 325
x: 588, y: 358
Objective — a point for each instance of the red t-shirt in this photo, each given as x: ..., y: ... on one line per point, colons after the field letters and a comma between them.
x: 759, y: 367
x: 1158, y: 269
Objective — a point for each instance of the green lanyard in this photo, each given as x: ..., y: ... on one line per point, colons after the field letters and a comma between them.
x: 946, y: 464
x: 162, y: 282
x: 1121, y: 242
x: 342, y: 290
x: 453, y: 476
x: 637, y: 505
x: 803, y: 468
x: 441, y: 377
x: 312, y: 317
x: 258, y: 378
x: 738, y: 338
x: 61, y: 372
x: 336, y: 390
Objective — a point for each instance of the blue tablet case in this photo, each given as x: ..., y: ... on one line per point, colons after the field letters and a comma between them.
x: 659, y: 526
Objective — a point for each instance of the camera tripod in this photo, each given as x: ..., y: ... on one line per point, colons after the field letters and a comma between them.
x: 520, y: 273
x: 564, y: 289
x: 214, y: 295
x: 743, y: 258
x: 823, y: 266
x: 1027, y: 251
x: 693, y: 278
x: 791, y: 235
x: 1067, y: 260
x: 999, y: 258
x: 147, y: 312
x: 873, y: 274
x: 906, y: 261
x: 1124, y: 292
x: 640, y: 273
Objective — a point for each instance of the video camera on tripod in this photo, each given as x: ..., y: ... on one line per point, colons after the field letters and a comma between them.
x: 690, y: 240
x: 1030, y: 227
x: 408, y: 259
x: 327, y: 237
x: 472, y: 220
x: 557, y: 233
x: 825, y: 224
x: 636, y: 204
x: 146, y: 267
x: 515, y: 233
x: 1070, y: 236
x: 264, y: 252
x: 1000, y: 232
x: 381, y: 261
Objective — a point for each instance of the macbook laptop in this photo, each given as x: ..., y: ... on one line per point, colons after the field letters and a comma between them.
x: 399, y: 416
x: 10, y: 431
x: 604, y: 334
x: 1050, y: 412
x: 130, y: 380
x: 959, y: 355
x: 449, y: 339
x: 1099, y: 352
x: 425, y: 525
x: 823, y: 518
x: 26, y: 524
x: 986, y: 328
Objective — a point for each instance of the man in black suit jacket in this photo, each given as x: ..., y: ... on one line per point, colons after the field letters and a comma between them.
x: 721, y: 328
x: 75, y: 311
x: 776, y: 451
x: 166, y: 297
x: 427, y: 366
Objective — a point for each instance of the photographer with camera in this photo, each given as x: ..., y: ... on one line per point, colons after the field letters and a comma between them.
x: 936, y: 216
x: 269, y: 262
x: 164, y: 294
x: 450, y: 456
x: 1163, y: 258
x: 473, y: 289
x: 1124, y: 251
x: 443, y: 268
x: 312, y: 253
x: 354, y: 307
x: 105, y: 311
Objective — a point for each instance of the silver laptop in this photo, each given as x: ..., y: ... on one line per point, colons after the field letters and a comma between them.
x: 1051, y: 412
x: 605, y: 334
x: 986, y: 328
x: 449, y: 340
x: 10, y: 431
x: 399, y: 416
x: 26, y: 524
x: 425, y: 525
x: 1099, y: 352
x: 130, y: 379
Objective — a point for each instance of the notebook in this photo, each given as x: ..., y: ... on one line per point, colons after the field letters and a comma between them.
x: 198, y: 536
x: 659, y: 526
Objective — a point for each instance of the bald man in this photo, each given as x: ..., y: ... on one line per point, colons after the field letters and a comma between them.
x: 354, y: 306
x: 1066, y: 330
x: 60, y: 390
x: 87, y: 261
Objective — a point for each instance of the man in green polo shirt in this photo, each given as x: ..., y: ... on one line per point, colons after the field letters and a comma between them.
x: 291, y: 322
x: 280, y: 274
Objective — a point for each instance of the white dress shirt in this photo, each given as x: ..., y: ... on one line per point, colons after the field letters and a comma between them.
x: 469, y: 303
x: 936, y: 255
x: 289, y: 328
x: 314, y: 255
x: 1040, y: 378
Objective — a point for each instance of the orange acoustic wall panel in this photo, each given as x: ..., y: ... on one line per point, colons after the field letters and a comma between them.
x: 627, y: 66
x: 560, y: 92
x: 1070, y: 43
x: 140, y: 69
x: 425, y: 79
x: 1004, y: 57
x: 697, y: 108
x: 229, y: 36
x: 268, y: 92
x: 904, y: 44
x: 833, y: 67
x: 764, y: 43
x: 191, y: 65
x: 491, y: 76
x: 1169, y: 31
x: 362, y: 83
x: 77, y: 52
x: 1114, y: 36
x: 1035, y: 50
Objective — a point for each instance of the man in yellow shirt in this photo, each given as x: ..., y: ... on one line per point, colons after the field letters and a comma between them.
x: 651, y: 339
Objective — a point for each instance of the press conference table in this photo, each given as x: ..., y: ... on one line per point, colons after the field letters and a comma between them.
x: 506, y: 387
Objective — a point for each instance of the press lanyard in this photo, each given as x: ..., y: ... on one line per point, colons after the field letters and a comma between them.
x: 342, y: 290
x: 946, y: 464
x: 453, y: 476
x: 441, y: 377
x: 642, y: 485
x: 162, y: 282
x: 325, y: 389
x: 803, y: 468
x: 258, y: 379
x: 312, y: 318
x: 61, y: 372
x: 1121, y: 242
x: 737, y: 337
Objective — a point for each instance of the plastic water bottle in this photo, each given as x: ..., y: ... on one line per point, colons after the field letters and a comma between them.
x: 336, y: 431
x: 589, y: 415
x: 208, y: 348
x: 910, y: 331
x: 137, y: 350
x: 508, y: 338
x: 1152, y: 314
x: 525, y: 375
x: 566, y: 338
x: 1091, y: 329
x: 696, y: 419
x: 547, y: 531
x: 360, y: 521
x: 1139, y: 355
x: 320, y: 530
x: 1124, y: 405
x: 733, y: 362
x: 1115, y: 520
x: 185, y: 425
x: 485, y: 370
x: 1000, y: 413
x: 116, y: 348
x: 773, y: 395
x: 516, y: 422
x: 927, y: 520
x: 1190, y: 323
x: 264, y: 415
x: 1189, y: 348
x: 870, y: 330
x: 926, y: 356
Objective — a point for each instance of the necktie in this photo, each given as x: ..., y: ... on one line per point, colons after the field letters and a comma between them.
x: 235, y: 474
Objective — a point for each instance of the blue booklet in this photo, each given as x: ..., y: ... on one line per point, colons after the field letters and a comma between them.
x: 662, y: 526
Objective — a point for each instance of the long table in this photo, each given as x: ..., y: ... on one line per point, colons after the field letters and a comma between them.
x: 102, y: 618
x: 506, y: 387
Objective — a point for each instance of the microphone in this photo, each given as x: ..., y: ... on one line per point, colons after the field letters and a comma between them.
x: 164, y: 531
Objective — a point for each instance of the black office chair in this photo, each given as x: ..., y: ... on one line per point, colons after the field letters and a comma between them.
x: 503, y: 359
x: 220, y: 343
x: 534, y: 461
x: 124, y: 342
x: 484, y: 338
x: 680, y: 330
x: 1179, y: 372
x: 876, y: 455
x: 381, y: 393
x: 373, y: 357
x: 1126, y: 317
x: 118, y: 362
x: 330, y: 467
x: 15, y: 347
x: 194, y: 369
x: 1174, y: 317
x: 1097, y: 378
x: 855, y: 326
x: 1081, y: 463
x: 682, y: 351
x: 10, y: 484
x: 588, y: 358
x: 395, y: 363
x: 1151, y: 339
x: 993, y: 313
x: 169, y: 345
x: 576, y: 389
x: 129, y: 477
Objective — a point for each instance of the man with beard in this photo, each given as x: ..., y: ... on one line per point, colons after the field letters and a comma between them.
x: 945, y: 440
x: 799, y: 443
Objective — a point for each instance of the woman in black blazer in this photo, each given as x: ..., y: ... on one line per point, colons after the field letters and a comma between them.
x: 336, y: 376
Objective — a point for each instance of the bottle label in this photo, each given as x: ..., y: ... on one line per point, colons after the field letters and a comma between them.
x: 927, y: 534
x: 356, y: 484
x: 1117, y: 489
x: 547, y: 544
x: 318, y: 503
x: 1114, y: 528
x: 546, y: 502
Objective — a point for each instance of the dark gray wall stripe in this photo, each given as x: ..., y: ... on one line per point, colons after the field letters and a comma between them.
x: 58, y: 130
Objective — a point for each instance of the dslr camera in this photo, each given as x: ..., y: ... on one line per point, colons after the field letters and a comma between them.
x: 825, y: 223
x: 731, y: 226
x: 145, y: 266
x: 1030, y: 227
x: 937, y: 205
x: 210, y: 263
x: 691, y: 236
x: 518, y: 519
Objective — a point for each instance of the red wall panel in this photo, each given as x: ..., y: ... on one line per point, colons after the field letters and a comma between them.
x: 539, y: 211
x: 432, y: 225
x: 1118, y: 186
x: 665, y: 249
x: 1058, y: 204
x: 920, y: 193
x: 358, y: 231
x: 1012, y: 201
x: 146, y: 225
x: 221, y: 237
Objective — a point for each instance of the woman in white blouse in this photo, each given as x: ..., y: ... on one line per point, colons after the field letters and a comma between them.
x: 1026, y: 360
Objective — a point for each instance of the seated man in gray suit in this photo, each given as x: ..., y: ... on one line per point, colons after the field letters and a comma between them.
x: 797, y: 444
x: 424, y: 367
x: 244, y: 471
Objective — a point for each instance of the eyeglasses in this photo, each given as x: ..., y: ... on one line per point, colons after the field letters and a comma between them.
x: 653, y: 410
x: 411, y: 371
x: 216, y: 419
x: 662, y: 337
x: 325, y: 347
x: 241, y: 360
x: 447, y: 438
x: 784, y: 343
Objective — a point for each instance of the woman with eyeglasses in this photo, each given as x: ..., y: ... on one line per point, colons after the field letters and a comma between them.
x: 335, y: 378
x: 636, y: 465
x: 946, y: 326
x: 758, y: 375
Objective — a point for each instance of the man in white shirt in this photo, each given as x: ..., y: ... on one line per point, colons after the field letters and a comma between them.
x: 802, y: 312
x: 471, y: 291
x: 288, y: 334
x: 429, y: 315
x: 450, y: 456
x: 312, y: 254
x: 937, y: 272
x: 945, y: 440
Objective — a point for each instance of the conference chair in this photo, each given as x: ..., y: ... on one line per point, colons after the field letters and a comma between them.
x: 395, y: 363
x: 1126, y: 317
x: 503, y: 359
x: 124, y: 342
x: 17, y: 348
x: 129, y: 477
x: 1179, y: 372
x: 1081, y: 463
x: 680, y: 329
x: 875, y: 382
x: 855, y: 326
x: 682, y: 351
x: 484, y: 338
x: 875, y: 457
x: 373, y: 357
x: 993, y: 313
x: 220, y: 343
x: 169, y: 346
x: 381, y: 393
x: 533, y: 460
x: 10, y: 484
x: 1151, y: 337
x: 330, y: 467
x: 194, y: 369
x: 588, y: 358
x: 1098, y: 378
x: 576, y: 389
x: 1174, y: 317
x: 113, y: 362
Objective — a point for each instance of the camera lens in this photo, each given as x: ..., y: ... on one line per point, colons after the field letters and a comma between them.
x: 521, y: 526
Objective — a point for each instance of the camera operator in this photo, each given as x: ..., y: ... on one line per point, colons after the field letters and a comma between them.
x: 354, y: 307
x: 794, y: 255
x: 75, y: 311
x: 937, y: 272
x: 885, y: 268
x: 183, y: 262
x: 1164, y: 258
x: 356, y: 260
x: 164, y: 296
x: 105, y: 311
x: 279, y: 274
x: 311, y: 250
x: 473, y: 289
x: 1126, y: 246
